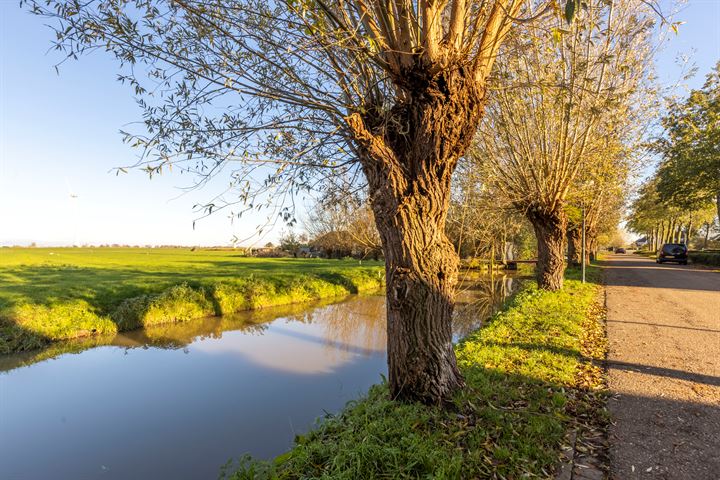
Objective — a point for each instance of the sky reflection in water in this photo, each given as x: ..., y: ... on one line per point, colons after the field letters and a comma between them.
x: 180, y: 400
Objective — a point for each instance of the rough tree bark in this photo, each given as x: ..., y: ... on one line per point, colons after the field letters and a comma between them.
x: 574, y: 238
x: 408, y: 155
x: 661, y: 236
x: 671, y: 232
x: 550, y: 227
x: 591, y: 247
x: 655, y: 233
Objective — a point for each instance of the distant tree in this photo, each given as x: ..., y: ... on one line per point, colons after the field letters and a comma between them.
x: 269, y: 245
x: 601, y: 191
x: 334, y: 244
x: 290, y: 242
x: 664, y: 220
x: 347, y: 220
x: 481, y: 222
x: 689, y: 173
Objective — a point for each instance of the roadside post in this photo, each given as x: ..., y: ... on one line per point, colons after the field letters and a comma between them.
x: 582, y: 260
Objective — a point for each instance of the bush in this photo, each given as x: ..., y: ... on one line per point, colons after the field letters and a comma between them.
x: 176, y: 304
x: 61, y: 321
x: 705, y: 258
x: 230, y: 298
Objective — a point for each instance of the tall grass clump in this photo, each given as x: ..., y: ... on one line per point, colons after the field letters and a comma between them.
x: 266, y: 293
x: 26, y: 326
x: 14, y: 338
x: 176, y: 304
x: 230, y: 297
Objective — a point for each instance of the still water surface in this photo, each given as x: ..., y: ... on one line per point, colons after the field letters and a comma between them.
x: 179, y: 401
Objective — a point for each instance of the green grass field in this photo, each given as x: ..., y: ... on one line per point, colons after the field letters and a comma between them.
x: 49, y: 294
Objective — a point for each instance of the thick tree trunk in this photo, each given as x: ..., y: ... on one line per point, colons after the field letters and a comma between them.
x: 408, y: 155
x: 656, y: 232
x: 717, y: 203
x: 661, y: 236
x: 574, y: 238
x: 707, y: 234
x: 421, y: 271
x: 591, y: 248
x: 550, y: 230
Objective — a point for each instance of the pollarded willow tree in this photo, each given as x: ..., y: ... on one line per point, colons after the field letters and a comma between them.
x: 303, y: 91
x: 481, y: 224
x: 601, y: 189
x: 553, y: 107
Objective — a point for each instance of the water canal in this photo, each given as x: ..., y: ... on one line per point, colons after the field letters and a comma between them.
x: 179, y: 401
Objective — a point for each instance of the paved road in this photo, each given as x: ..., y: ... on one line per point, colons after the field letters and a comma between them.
x: 664, y: 357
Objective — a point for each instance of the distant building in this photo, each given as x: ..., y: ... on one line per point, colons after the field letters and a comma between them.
x: 640, y: 242
x: 269, y: 252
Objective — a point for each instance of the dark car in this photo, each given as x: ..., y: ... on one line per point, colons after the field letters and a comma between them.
x: 620, y: 250
x: 673, y: 252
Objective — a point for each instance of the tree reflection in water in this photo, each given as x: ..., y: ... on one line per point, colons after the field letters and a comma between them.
x: 478, y: 299
x: 350, y: 327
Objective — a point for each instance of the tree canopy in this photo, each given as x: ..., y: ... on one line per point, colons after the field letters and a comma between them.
x: 689, y: 171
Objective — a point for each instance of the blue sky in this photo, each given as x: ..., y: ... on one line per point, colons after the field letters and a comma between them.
x: 59, y: 136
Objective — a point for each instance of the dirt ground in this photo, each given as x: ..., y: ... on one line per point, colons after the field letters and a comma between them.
x: 664, y: 369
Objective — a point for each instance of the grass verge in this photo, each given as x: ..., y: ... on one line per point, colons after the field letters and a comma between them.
x: 530, y: 377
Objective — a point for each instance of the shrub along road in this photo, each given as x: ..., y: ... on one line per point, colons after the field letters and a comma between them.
x: 663, y: 324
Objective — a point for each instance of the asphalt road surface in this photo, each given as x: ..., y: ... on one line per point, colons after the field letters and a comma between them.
x: 664, y: 369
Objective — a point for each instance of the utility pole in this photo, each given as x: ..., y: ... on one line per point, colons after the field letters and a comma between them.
x: 582, y: 260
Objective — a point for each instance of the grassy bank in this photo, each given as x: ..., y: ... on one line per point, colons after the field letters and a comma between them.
x: 528, y: 378
x: 50, y: 294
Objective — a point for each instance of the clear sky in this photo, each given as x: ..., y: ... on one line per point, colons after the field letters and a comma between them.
x: 59, y: 141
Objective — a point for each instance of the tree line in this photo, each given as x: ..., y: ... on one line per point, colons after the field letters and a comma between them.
x: 680, y: 201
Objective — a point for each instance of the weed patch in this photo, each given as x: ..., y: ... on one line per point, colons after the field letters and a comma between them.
x: 176, y: 304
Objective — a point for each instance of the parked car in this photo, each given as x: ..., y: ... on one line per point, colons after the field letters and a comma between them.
x: 673, y: 252
x: 620, y: 250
